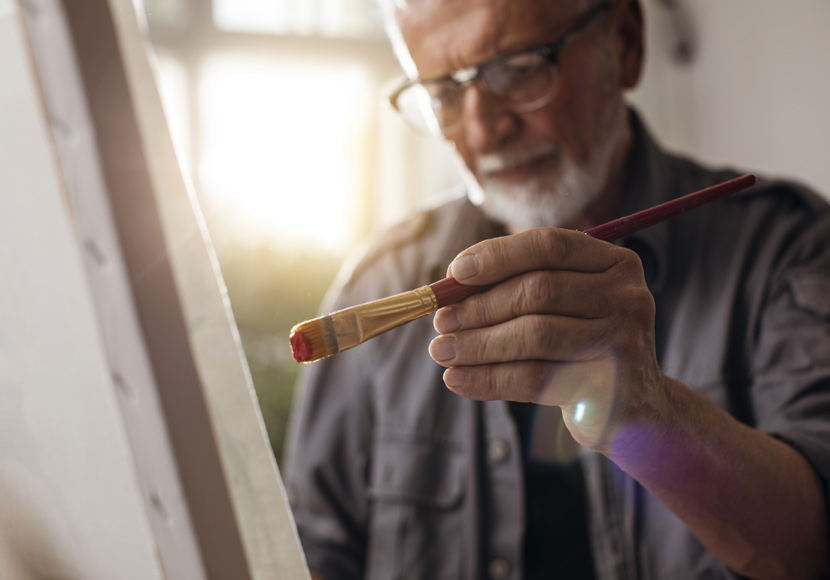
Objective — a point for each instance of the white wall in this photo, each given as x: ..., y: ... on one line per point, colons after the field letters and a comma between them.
x: 756, y: 94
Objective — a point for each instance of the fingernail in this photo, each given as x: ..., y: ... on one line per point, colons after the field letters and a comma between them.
x: 447, y: 320
x: 465, y: 266
x: 455, y: 377
x: 443, y: 348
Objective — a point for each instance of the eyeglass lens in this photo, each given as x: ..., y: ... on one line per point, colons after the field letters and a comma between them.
x: 522, y: 81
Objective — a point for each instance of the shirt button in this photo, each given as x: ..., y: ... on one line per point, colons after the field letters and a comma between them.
x: 498, y: 569
x: 498, y: 450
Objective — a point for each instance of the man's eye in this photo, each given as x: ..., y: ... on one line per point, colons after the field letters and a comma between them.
x: 441, y: 92
x: 522, y: 64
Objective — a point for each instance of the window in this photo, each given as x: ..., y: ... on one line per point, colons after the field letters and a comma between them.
x: 267, y: 127
x: 275, y: 109
x: 331, y: 18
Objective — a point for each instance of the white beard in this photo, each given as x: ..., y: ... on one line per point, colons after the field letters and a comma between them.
x: 544, y: 200
x: 552, y: 198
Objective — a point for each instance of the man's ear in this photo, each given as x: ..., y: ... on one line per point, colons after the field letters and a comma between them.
x: 630, y: 33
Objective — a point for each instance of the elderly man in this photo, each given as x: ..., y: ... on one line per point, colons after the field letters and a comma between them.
x: 691, y: 362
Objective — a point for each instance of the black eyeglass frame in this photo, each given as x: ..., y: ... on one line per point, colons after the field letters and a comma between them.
x: 549, y: 50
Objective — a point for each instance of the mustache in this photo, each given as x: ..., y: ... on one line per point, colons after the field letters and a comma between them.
x: 495, y: 162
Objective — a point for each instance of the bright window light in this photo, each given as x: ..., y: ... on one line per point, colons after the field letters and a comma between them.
x: 349, y: 18
x: 283, y: 152
x: 253, y: 15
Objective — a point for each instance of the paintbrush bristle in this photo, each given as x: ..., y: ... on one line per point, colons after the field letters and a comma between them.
x: 313, y: 339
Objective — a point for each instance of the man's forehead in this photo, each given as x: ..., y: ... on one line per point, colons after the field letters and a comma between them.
x: 465, y: 32
x: 426, y: 12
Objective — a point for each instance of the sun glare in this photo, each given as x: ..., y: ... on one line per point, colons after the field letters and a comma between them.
x: 579, y: 411
x: 283, y: 148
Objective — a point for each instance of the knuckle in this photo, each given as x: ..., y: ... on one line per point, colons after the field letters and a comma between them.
x: 500, y: 383
x: 628, y: 271
x: 539, y: 376
x: 544, y: 289
x: 498, y: 256
x: 643, y: 302
x: 486, y: 382
x: 552, y: 243
x: 478, y: 350
x: 536, y: 290
x: 473, y: 311
x: 479, y: 310
x: 521, y: 303
x: 537, y: 336
x: 630, y: 262
x: 520, y: 381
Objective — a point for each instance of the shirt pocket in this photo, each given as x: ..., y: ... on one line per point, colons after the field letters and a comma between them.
x: 416, y: 488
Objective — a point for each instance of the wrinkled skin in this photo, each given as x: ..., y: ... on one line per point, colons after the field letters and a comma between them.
x: 570, y: 325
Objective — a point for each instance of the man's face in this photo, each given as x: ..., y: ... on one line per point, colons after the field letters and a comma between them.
x: 539, y: 168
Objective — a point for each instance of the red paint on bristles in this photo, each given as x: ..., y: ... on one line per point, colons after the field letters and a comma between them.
x: 300, y: 347
x: 449, y: 291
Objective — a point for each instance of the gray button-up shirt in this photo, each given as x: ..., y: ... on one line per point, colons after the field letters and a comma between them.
x: 392, y: 476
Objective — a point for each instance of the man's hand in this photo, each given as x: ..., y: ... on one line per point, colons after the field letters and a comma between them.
x: 569, y: 322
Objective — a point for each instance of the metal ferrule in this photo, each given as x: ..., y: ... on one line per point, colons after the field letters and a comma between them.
x: 360, y: 323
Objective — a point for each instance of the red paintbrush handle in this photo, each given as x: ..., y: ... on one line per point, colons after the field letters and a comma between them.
x: 449, y: 291
x: 635, y: 222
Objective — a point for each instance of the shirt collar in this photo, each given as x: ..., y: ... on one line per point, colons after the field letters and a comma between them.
x: 648, y: 182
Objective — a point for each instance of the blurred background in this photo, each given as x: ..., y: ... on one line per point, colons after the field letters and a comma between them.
x: 276, y: 110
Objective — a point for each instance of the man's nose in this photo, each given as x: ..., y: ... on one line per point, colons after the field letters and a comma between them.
x: 486, y: 122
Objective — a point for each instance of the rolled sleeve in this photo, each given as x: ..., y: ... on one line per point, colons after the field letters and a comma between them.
x: 792, y: 388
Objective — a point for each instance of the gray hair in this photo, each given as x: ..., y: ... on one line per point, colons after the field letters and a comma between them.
x: 391, y: 11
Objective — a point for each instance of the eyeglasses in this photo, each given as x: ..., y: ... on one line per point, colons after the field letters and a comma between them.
x: 524, y: 80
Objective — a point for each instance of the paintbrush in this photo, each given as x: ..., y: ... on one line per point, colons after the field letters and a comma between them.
x: 341, y: 330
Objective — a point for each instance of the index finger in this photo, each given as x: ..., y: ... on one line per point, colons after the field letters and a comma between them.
x: 497, y: 259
